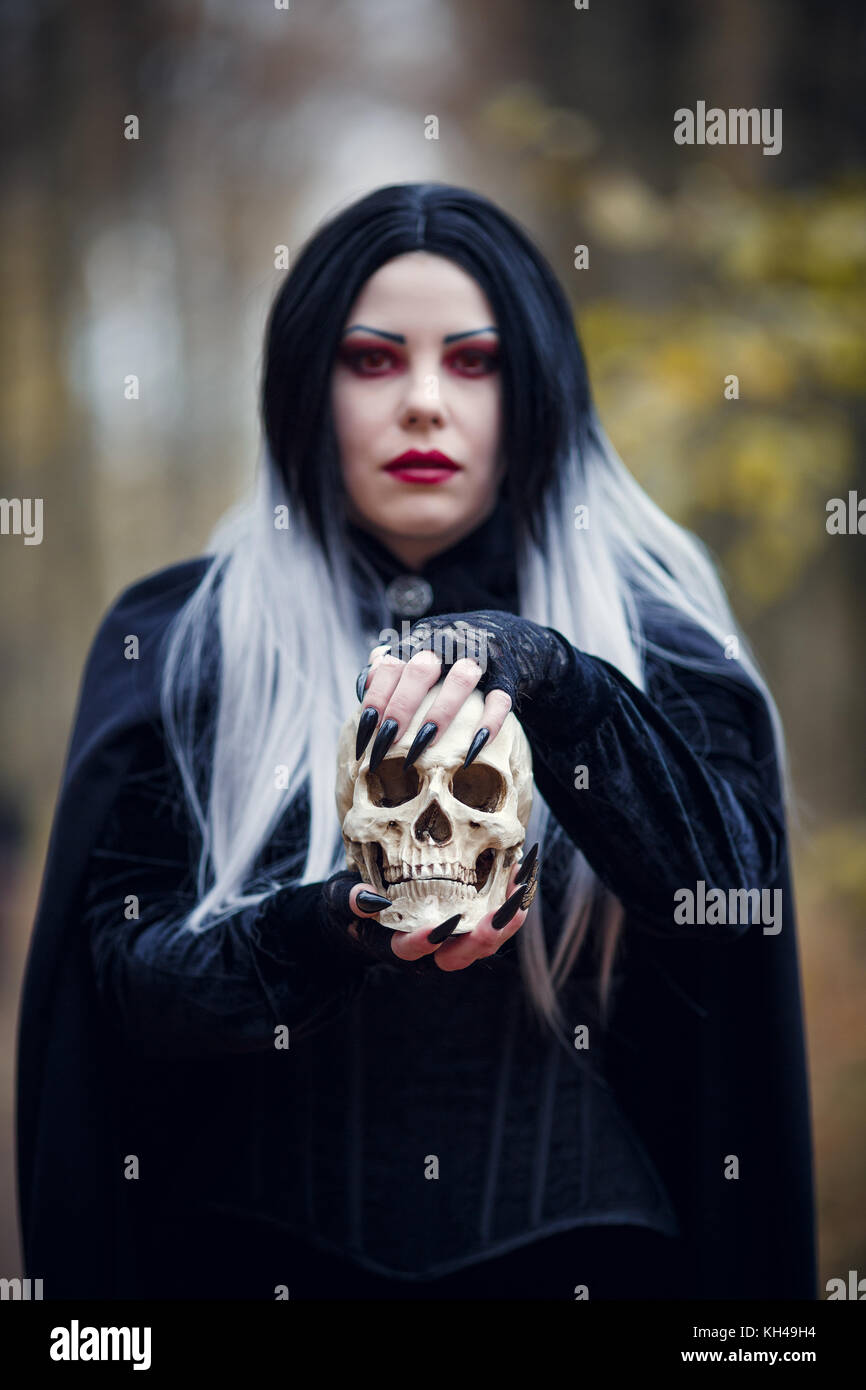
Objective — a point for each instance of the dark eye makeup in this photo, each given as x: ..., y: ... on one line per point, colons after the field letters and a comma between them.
x: 479, y: 359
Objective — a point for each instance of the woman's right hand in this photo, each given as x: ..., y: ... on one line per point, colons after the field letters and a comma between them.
x: 351, y: 918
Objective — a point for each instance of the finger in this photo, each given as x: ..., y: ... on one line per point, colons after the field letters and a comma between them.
x: 375, y: 657
x: 415, y: 944
x: 364, y: 675
x: 372, y: 910
x: 383, y: 682
x: 384, y: 676
x: 483, y: 940
x: 418, y: 675
x: 460, y: 681
x: 497, y: 707
x: 358, y: 909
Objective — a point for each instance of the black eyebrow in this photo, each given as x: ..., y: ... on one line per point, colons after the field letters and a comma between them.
x: 399, y: 338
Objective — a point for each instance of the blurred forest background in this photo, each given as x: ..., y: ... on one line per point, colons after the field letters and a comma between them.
x: 156, y: 256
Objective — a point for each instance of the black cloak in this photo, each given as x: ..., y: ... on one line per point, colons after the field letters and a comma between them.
x: 708, y: 1064
x: 75, y: 1221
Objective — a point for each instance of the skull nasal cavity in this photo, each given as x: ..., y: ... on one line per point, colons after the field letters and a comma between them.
x: 432, y: 824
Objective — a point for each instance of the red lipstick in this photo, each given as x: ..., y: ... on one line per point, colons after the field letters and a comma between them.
x: 415, y: 466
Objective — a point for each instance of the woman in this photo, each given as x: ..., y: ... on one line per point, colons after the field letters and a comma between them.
x: 600, y: 1093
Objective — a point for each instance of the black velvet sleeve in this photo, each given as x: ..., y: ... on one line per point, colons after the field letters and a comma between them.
x: 681, y: 781
x: 226, y: 989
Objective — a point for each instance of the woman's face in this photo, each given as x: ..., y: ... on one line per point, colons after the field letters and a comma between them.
x: 417, y: 369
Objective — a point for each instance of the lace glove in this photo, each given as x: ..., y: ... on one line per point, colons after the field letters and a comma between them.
x: 516, y: 655
x: 371, y: 941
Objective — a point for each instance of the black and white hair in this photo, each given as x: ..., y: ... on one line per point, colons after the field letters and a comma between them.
x: 274, y: 629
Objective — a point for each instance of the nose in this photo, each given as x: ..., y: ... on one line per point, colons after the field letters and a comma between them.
x: 432, y: 826
x: 423, y: 402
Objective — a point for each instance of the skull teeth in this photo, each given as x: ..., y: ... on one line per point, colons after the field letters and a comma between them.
x: 401, y: 872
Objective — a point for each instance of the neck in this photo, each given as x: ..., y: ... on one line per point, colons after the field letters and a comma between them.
x: 415, y: 551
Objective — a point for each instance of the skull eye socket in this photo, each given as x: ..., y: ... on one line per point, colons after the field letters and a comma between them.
x: 480, y: 786
x: 391, y: 784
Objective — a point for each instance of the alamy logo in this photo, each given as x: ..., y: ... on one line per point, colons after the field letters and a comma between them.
x: 847, y: 520
x: 76, y: 1343
x: 739, y: 125
x: 22, y: 516
x: 855, y: 1288
x: 22, y: 1290
x: 716, y: 907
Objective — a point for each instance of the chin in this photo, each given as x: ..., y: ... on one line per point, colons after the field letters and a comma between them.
x: 424, y: 516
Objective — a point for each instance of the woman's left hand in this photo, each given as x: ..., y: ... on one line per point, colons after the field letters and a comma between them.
x: 507, y: 657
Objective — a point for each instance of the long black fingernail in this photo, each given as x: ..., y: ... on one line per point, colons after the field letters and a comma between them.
x: 366, y: 724
x: 476, y: 745
x: 361, y: 682
x: 384, y: 739
x: 444, y: 930
x: 420, y: 742
x: 371, y: 902
x: 507, y: 910
x: 526, y: 866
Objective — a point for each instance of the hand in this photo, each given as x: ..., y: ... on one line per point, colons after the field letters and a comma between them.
x: 508, y: 658
x: 347, y: 917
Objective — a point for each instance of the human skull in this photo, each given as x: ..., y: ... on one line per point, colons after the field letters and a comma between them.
x: 437, y: 838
